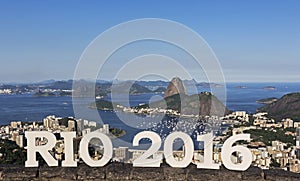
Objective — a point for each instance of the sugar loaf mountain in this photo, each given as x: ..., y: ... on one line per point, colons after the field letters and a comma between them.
x: 176, y: 98
x: 288, y: 106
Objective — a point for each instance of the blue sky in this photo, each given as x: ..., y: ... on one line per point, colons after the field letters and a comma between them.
x: 254, y: 40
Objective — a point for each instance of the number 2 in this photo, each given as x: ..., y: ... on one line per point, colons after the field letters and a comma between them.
x: 143, y: 160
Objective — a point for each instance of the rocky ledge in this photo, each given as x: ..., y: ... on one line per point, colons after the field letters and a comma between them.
x: 119, y: 171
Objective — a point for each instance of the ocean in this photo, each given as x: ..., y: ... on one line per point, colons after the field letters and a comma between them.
x: 240, y: 96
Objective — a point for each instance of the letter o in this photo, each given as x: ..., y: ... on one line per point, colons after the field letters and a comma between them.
x: 84, y: 153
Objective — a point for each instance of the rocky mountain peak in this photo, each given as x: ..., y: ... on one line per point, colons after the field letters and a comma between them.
x: 176, y: 86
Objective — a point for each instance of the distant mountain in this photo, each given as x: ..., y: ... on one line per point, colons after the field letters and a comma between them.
x: 288, y: 106
x: 176, y: 98
x: 176, y: 86
x: 103, y: 87
x: 103, y: 81
x: 158, y: 83
x: 133, y: 88
x: 189, y: 82
x: 203, y: 104
x: 63, y: 85
x: 50, y: 81
x: 159, y: 90
x: 84, y: 88
x: 207, y: 85
x: 138, y: 89
x: 267, y: 100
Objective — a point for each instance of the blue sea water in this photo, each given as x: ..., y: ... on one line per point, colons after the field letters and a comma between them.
x: 240, y: 96
x: 245, y: 98
x: 29, y: 108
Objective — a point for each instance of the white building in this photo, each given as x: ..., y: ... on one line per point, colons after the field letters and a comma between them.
x: 86, y: 131
x: 106, y: 128
x: 121, y: 154
x: 298, y: 137
x: 20, y: 141
x: 80, y: 125
x: 71, y: 125
x: 288, y: 123
x: 92, y: 123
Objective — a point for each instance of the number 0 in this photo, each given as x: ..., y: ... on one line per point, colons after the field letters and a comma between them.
x: 188, y: 149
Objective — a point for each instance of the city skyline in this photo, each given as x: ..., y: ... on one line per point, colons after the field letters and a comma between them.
x: 254, y: 41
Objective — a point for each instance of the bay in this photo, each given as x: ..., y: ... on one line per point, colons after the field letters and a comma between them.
x: 240, y: 96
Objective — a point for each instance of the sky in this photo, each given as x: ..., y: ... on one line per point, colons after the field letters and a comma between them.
x: 254, y: 41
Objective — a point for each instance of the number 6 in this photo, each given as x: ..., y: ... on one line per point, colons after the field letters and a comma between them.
x: 227, y: 151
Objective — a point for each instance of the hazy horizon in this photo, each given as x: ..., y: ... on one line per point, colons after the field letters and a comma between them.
x: 98, y: 80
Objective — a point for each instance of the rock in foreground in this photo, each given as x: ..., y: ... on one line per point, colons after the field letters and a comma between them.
x: 120, y: 171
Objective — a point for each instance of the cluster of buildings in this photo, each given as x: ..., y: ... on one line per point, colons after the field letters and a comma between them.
x: 148, y: 111
x: 5, y: 91
x: 16, y: 131
x: 261, y: 120
x: 82, y: 127
x: 236, y: 117
x: 54, y: 90
x: 277, y: 154
x: 264, y: 156
x: 154, y: 111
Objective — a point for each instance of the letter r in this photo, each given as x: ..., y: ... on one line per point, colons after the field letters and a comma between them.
x: 33, y: 148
